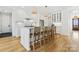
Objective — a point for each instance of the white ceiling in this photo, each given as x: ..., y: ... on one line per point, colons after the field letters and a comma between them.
x: 10, y: 8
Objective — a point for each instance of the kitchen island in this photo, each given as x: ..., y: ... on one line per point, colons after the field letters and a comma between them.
x: 33, y: 38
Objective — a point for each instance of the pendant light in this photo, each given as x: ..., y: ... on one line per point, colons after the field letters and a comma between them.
x: 46, y: 13
x: 34, y: 11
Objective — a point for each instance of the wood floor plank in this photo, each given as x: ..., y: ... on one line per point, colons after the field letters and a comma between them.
x: 10, y: 44
x: 61, y: 43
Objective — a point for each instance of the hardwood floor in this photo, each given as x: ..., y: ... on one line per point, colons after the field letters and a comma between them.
x: 9, y: 44
x: 61, y: 43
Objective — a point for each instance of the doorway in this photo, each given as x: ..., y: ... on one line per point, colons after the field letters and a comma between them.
x: 5, y: 24
x: 75, y: 28
x: 41, y: 22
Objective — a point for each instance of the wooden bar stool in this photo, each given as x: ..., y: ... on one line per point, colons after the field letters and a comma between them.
x: 46, y: 35
x: 36, y: 35
x: 38, y: 40
x: 49, y: 33
x: 53, y: 32
x: 32, y: 39
x: 42, y: 36
x: 52, y: 36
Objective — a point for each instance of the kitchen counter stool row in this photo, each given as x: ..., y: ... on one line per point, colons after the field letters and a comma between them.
x: 40, y: 36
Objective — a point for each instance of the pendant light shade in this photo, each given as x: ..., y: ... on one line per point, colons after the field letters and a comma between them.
x: 34, y: 11
x: 46, y: 13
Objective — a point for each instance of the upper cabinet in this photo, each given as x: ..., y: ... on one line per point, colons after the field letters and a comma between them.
x: 56, y: 16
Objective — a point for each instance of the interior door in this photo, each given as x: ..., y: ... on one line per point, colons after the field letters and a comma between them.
x: 10, y: 22
x: 0, y: 24
x: 6, y: 22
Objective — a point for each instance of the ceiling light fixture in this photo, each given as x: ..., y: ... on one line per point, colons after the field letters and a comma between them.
x: 34, y: 11
x: 5, y: 11
x: 46, y: 13
x: 22, y: 7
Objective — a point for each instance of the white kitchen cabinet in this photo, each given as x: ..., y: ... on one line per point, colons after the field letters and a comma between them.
x: 25, y: 37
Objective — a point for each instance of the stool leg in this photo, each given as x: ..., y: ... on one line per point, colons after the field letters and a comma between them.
x: 33, y: 47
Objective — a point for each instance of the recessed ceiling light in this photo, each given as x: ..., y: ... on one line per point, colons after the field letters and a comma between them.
x: 22, y: 6
x: 31, y: 20
x: 5, y: 11
x: 13, y: 8
x: 0, y: 10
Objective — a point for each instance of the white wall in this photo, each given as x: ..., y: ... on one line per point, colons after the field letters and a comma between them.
x: 19, y: 13
x: 67, y: 15
x: 5, y: 22
x: 66, y: 21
